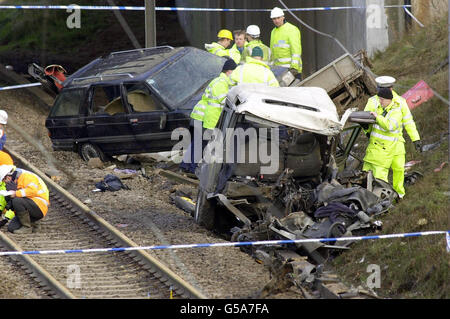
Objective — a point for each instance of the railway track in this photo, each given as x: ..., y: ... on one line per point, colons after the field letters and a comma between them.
x: 133, y: 274
x: 70, y: 224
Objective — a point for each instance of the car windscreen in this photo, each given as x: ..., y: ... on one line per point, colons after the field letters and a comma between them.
x: 181, y: 79
x: 68, y: 103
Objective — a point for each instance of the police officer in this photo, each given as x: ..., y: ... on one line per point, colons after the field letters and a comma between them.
x: 225, y: 37
x: 407, y: 122
x: 253, y: 34
x: 254, y: 71
x: 383, y: 135
x: 285, y: 43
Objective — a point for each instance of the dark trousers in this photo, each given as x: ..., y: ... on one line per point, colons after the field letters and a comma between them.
x: 22, y: 204
x: 190, y: 162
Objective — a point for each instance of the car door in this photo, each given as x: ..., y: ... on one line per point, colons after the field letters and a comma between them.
x: 108, y: 121
x: 65, y: 123
x: 152, y: 122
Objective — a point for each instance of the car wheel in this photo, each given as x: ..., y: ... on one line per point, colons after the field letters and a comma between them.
x: 88, y: 151
x: 204, y: 211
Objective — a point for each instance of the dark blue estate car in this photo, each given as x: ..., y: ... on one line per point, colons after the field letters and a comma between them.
x: 130, y: 101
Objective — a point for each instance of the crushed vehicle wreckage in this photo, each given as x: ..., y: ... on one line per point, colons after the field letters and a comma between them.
x: 305, y: 195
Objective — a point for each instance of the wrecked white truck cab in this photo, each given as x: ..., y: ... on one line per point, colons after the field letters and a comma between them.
x: 273, y: 157
x: 303, y: 108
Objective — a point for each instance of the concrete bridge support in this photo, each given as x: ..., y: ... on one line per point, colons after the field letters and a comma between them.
x: 369, y: 26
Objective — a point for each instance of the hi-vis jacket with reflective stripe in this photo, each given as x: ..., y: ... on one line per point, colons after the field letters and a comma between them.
x: 235, y: 51
x: 267, y: 57
x: 286, y: 46
x: 214, y: 96
x: 407, y: 120
x: 32, y: 186
x: 217, y: 49
x: 385, y: 134
x: 198, y: 112
x: 253, y: 71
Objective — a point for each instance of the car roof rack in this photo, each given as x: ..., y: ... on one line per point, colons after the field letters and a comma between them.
x: 102, y: 76
x: 117, y: 65
x: 143, y: 49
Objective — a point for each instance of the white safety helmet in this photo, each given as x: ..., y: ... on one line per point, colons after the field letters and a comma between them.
x: 253, y: 31
x: 276, y: 13
x: 385, y: 81
x: 3, y: 117
x: 6, y: 170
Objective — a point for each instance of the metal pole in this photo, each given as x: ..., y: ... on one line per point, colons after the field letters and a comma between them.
x: 150, y: 24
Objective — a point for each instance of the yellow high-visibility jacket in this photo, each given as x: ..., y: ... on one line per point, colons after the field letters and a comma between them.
x: 198, y: 112
x: 234, y: 50
x: 385, y: 134
x: 8, y: 213
x: 219, y: 50
x: 286, y: 46
x: 258, y: 43
x: 253, y: 71
x: 407, y: 120
x: 215, y: 95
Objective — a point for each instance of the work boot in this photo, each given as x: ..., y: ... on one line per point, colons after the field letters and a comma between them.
x: 24, y: 230
x: 24, y: 218
x: 14, y: 224
x: 36, y: 226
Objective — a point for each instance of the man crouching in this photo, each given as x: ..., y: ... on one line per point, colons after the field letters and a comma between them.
x: 29, y: 198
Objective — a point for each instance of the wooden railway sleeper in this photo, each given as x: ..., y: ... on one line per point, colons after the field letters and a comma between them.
x: 68, y: 203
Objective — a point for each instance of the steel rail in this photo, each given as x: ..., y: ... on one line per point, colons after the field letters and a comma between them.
x: 166, y: 275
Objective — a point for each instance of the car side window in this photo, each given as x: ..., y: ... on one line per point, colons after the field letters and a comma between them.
x: 106, y: 100
x: 68, y: 103
x: 140, y: 98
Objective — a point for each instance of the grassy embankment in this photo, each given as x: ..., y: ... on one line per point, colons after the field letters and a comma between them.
x: 44, y: 36
x: 415, y: 267
x: 39, y: 29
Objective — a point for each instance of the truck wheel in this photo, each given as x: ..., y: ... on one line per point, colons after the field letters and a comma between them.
x: 204, y: 211
x: 88, y: 151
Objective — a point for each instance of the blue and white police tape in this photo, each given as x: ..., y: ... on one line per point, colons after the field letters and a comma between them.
x: 19, y: 86
x: 228, y: 244
x: 130, y: 8
x: 411, y: 15
x: 71, y: 7
x: 447, y: 237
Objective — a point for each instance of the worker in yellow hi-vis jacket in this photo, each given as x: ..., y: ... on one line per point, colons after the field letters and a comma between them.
x: 286, y: 43
x: 407, y: 122
x: 220, y: 48
x: 254, y: 70
x: 385, y: 135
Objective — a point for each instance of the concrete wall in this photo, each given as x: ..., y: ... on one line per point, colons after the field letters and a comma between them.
x: 397, y: 19
x: 377, y: 38
x: 348, y: 26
